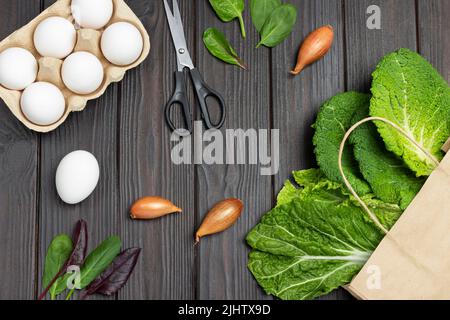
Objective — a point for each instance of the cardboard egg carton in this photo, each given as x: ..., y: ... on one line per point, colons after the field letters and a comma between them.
x: 50, y: 68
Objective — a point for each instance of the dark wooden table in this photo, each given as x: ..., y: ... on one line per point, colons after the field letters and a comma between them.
x: 126, y: 131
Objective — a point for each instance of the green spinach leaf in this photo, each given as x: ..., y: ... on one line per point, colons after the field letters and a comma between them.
x: 278, y: 26
x: 96, y: 262
x: 219, y: 47
x: 261, y: 10
x: 407, y: 90
x: 57, y: 254
x: 99, y: 259
x: 228, y: 10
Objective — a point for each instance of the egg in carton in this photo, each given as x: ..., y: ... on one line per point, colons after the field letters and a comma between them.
x: 88, y: 40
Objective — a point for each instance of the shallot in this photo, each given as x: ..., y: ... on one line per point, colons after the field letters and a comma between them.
x: 221, y: 217
x: 152, y: 207
x: 315, y: 46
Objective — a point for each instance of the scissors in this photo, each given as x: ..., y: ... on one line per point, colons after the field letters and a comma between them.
x: 202, y: 90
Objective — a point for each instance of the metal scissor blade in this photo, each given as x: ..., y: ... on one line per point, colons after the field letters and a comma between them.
x: 178, y: 35
x: 177, y: 14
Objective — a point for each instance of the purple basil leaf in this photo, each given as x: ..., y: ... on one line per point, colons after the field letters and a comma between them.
x: 80, y: 239
x: 116, y: 275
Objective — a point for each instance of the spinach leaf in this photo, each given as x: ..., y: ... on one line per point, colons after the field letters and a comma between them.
x: 278, y: 26
x: 315, y: 243
x: 219, y: 47
x: 334, y: 119
x: 99, y: 259
x: 389, y: 178
x: 57, y: 254
x: 407, y: 90
x: 261, y: 10
x: 116, y: 275
x: 228, y: 10
x: 80, y: 239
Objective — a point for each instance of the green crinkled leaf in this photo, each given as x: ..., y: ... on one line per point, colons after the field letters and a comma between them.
x: 334, y: 119
x: 312, y: 183
x: 387, y: 175
x: 288, y: 193
x: 407, y: 90
x: 316, y: 239
x: 303, y: 178
x: 297, y: 278
x: 310, y: 177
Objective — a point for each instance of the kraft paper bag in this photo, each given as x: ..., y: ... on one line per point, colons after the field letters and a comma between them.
x: 413, y: 260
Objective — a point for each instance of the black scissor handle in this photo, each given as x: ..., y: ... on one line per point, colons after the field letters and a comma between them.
x: 179, y: 97
x: 203, y: 92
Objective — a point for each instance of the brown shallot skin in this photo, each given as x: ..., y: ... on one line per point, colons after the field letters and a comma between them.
x: 221, y: 217
x: 152, y: 207
x: 315, y: 46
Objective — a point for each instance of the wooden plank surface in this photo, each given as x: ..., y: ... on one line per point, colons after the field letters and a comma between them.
x: 366, y: 47
x: 19, y: 150
x: 126, y: 131
x: 93, y: 130
x: 221, y: 259
x: 296, y: 100
x: 166, y: 269
x: 433, y: 34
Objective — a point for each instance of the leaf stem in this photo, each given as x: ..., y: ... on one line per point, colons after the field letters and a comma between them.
x: 70, y: 293
x: 241, y: 64
x: 241, y: 23
x: 44, y: 293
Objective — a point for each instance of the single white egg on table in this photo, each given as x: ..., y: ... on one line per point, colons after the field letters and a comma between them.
x: 77, y: 176
x: 82, y: 72
x: 122, y: 43
x: 55, y: 37
x: 92, y: 14
x: 18, y: 68
x: 42, y: 103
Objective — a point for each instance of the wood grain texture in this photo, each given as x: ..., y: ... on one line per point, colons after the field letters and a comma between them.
x: 18, y: 176
x: 93, y: 130
x: 166, y: 267
x: 366, y: 47
x: 433, y: 35
x: 126, y: 131
x: 296, y: 100
x: 222, y: 258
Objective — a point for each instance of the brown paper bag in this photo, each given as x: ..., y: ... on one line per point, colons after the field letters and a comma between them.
x: 413, y: 260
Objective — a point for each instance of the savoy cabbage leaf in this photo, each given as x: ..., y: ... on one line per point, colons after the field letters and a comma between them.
x: 317, y: 242
x: 387, y: 175
x: 407, y: 90
x: 334, y: 119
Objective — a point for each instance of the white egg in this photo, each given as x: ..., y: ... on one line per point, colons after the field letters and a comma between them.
x: 122, y: 43
x: 92, y: 14
x: 18, y: 68
x: 82, y: 72
x: 55, y: 37
x: 77, y: 176
x: 42, y: 103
